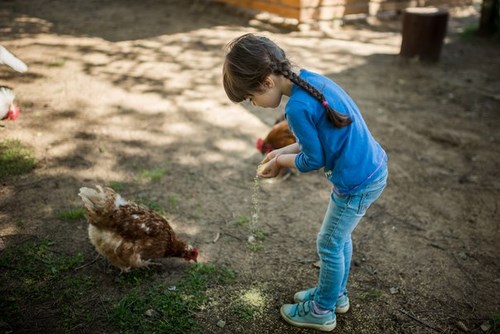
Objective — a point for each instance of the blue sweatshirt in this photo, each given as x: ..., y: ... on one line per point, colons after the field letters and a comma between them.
x: 350, y: 156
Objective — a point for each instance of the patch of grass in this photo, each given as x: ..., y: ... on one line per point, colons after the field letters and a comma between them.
x: 255, y: 246
x: 165, y: 309
x: 472, y: 31
x: 116, y: 185
x: 243, y: 220
x: 259, y: 234
x: 197, y: 213
x: 71, y: 291
x: 15, y: 158
x: 36, y: 277
x: 21, y: 224
x: 172, y: 201
x: 153, y: 175
x: 36, y: 261
x: 135, y: 277
x: 72, y: 214
x: 56, y: 63
x: 496, y: 324
x: 469, y: 31
x: 153, y: 205
x: 371, y: 294
x: 40, y: 282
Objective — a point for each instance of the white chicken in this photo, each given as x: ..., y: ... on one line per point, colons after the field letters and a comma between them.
x: 8, y: 109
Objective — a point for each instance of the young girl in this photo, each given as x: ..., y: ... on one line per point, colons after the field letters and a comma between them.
x: 331, y: 134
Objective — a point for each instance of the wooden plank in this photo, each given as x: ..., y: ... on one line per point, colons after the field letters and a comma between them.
x: 320, y: 3
x: 283, y: 8
x: 335, y: 10
x: 289, y: 3
x: 291, y: 12
x: 356, y: 7
x: 306, y: 10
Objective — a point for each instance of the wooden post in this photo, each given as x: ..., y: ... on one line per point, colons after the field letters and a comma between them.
x: 490, y: 18
x: 424, y: 29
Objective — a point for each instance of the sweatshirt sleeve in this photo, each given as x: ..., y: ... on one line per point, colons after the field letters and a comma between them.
x: 303, y: 126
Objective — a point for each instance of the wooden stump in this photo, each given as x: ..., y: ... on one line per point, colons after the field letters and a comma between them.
x: 424, y: 29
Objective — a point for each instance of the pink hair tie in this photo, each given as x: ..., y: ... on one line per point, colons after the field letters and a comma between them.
x: 324, y: 103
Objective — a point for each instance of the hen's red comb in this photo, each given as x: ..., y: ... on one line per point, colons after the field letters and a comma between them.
x: 13, y: 113
x: 259, y: 144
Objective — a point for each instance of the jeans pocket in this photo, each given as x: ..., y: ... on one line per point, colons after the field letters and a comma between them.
x: 354, y: 203
x: 364, y: 204
x: 349, y: 202
x: 368, y: 198
x: 359, y: 203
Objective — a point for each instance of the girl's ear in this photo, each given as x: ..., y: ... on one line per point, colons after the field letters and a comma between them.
x: 268, y: 82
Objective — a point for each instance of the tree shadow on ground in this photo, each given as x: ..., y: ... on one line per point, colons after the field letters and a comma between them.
x: 115, y: 21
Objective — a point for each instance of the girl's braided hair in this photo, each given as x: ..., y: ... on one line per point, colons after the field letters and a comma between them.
x: 251, y: 59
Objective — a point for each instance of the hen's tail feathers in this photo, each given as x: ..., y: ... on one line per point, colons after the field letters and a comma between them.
x: 99, y: 204
x: 93, y: 199
x: 12, y: 61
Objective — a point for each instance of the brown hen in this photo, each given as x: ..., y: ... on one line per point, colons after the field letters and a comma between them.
x: 279, y: 136
x: 129, y: 235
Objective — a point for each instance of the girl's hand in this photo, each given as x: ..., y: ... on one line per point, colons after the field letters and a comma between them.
x: 269, y: 169
x: 290, y: 149
x: 271, y: 155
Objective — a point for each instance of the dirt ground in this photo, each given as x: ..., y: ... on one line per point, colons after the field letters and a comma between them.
x: 120, y: 86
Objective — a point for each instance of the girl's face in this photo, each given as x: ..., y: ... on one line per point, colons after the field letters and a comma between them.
x: 270, y: 97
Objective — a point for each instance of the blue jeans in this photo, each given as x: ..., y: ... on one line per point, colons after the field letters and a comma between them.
x: 334, y: 241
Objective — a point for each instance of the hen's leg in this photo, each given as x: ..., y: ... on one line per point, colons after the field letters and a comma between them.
x: 148, y: 263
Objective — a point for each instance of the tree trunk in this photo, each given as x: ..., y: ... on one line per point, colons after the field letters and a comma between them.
x: 424, y: 30
x: 490, y: 17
